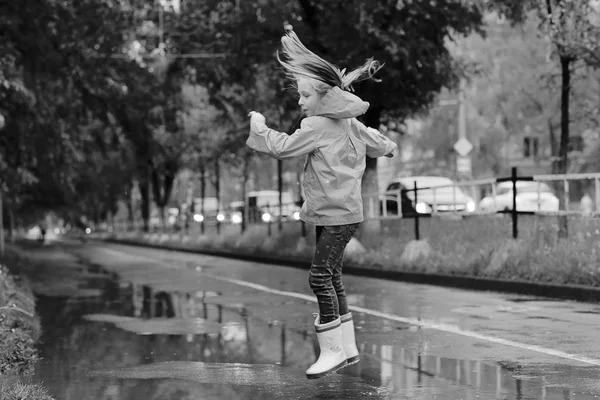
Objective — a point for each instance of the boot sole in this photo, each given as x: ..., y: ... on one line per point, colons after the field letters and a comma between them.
x: 328, y: 372
x: 351, y: 361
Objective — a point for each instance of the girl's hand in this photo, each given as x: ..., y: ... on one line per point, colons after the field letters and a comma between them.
x: 256, y: 117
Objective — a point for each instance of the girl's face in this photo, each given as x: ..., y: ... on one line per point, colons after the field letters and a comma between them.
x: 309, y: 97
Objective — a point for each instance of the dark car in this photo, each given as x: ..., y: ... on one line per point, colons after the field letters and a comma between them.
x: 435, y: 194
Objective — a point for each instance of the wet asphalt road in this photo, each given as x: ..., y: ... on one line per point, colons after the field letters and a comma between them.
x: 228, y: 329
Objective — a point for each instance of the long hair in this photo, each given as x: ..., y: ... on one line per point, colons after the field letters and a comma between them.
x: 298, y: 61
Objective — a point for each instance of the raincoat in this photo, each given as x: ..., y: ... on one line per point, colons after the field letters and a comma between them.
x: 336, y: 145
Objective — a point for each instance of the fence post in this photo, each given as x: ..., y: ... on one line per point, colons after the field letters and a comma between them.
x: 245, y: 217
x: 270, y: 219
x: 597, y: 194
x: 513, y: 178
x: 417, y: 230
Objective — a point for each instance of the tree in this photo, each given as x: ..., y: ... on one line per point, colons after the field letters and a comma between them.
x: 573, y: 31
x: 409, y: 37
x: 62, y: 64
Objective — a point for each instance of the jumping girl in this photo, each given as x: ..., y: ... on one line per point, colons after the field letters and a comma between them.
x: 337, y: 145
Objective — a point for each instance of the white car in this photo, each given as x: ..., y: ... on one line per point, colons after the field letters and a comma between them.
x: 531, y: 196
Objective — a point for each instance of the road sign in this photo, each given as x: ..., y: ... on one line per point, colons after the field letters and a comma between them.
x: 463, y: 165
x: 463, y: 146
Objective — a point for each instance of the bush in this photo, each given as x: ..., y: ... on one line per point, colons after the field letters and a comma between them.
x: 19, y: 331
x: 20, y: 391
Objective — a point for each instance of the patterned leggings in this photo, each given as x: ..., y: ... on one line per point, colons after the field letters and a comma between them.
x: 325, y: 276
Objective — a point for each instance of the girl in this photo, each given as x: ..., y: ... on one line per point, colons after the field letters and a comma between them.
x: 337, y: 145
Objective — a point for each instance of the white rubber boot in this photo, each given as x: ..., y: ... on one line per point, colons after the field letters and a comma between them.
x: 332, y: 355
x: 350, y: 348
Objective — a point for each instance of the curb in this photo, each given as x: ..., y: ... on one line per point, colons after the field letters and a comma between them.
x: 582, y: 293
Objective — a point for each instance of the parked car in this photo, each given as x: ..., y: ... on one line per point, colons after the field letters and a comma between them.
x: 439, y: 195
x: 235, y: 212
x: 263, y: 205
x: 210, y: 212
x: 531, y: 196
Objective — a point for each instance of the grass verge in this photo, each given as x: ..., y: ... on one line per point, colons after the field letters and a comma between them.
x: 22, y: 391
x: 478, y: 246
x: 19, y: 332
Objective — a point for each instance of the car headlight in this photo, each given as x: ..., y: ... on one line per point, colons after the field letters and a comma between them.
x: 198, y: 217
x: 88, y: 230
x: 423, y: 208
x: 236, y: 219
x: 266, y: 217
x: 220, y: 217
x: 471, y: 206
x: 296, y: 216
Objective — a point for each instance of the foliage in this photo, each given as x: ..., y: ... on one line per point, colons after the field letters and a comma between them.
x: 50, y: 74
x: 573, y: 29
x: 107, y: 72
x: 22, y: 391
x: 18, y: 331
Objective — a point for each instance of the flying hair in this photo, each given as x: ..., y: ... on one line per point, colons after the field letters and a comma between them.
x: 298, y: 61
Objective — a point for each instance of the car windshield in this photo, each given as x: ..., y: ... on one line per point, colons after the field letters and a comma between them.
x: 524, y: 187
x: 447, y: 189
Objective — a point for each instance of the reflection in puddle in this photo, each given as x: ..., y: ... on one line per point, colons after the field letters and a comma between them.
x: 136, y: 342
x: 158, y: 326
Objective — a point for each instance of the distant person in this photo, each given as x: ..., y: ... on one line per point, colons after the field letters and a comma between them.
x: 337, y: 145
x: 43, y: 233
x: 82, y: 226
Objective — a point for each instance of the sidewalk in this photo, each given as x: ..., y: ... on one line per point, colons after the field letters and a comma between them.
x: 53, y: 271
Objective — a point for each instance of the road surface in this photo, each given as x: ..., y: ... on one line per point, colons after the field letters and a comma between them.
x: 229, y: 329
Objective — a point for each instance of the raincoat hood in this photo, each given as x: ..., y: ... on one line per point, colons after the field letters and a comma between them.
x: 340, y: 104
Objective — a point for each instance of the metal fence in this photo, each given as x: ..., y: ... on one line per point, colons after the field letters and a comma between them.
x: 542, y: 201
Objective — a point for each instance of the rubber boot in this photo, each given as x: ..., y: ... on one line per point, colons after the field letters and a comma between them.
x: 350, y: 348
x: 332, y: 356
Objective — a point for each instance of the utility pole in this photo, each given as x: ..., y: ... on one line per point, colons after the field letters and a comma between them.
x: 2, y: 123
x: 1, y: 226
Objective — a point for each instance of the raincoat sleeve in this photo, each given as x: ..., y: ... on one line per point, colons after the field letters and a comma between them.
x: 281, y: 145
x: 378, y: 145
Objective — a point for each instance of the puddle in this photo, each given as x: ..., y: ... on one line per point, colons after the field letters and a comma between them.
x: 595, y: 312
x: 140, y: 341
x: 531, y: 299
x: 158, y: 326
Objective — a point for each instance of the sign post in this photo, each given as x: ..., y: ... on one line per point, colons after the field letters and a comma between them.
x: 463, y: 160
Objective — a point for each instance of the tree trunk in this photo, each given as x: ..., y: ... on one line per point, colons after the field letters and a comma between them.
x: 11, y: 224
x: 218, y: 192
x: 162, y: 192
x: 145, y: 193
x: 553, y: 147
x: 565, y: 64
x: 280, y: 194
x: 202, y: 195
x: 2, y: 244
x: 370, y: 185
x: 246, y: 175
x: 130, y: 213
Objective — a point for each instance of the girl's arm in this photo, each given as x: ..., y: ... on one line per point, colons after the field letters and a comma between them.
x: 378, y: 145
x: 281, y: 145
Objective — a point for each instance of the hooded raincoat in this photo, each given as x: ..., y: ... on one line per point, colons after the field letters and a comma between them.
x: 336, y: 145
